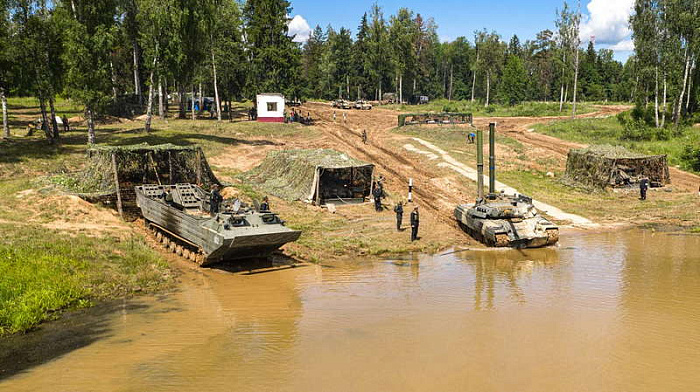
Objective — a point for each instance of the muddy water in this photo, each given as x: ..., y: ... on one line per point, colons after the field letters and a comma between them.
x: 611, y: 312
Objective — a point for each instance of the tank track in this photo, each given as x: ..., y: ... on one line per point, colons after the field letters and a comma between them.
x: 176, y: 244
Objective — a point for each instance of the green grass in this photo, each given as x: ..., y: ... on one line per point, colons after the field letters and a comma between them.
x: 525, y: 109
x: 44, y: 271
x: 610, y: 131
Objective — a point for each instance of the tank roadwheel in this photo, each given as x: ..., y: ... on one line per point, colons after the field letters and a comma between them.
x: 159, y: 236
x: 501, y: 240
x: 186, y: 253
x: 172, y: 246
x: 552, y: 236
x: 166, y: 241
x: 199, y: 258
x: 178, y: 250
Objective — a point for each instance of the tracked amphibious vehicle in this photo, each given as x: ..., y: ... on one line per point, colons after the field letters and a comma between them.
x: 180, y: 216
x: 501, y: 220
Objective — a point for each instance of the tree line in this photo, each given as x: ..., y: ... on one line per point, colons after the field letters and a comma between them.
x: 667, y: 44
x: 117, y: 55
x: 403, y: 54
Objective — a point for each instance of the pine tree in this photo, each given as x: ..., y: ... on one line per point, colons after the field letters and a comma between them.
x: 274, y: 58
x: 513, y: 85
x: 361, y: 60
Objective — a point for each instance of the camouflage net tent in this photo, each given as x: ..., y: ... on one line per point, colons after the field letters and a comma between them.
x: 604, y: 165
x: 435, y: 118
x: 317, y: 176
x: 112, y: 172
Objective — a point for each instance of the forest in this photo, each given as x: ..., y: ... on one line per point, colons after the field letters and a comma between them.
x: 123, y: 57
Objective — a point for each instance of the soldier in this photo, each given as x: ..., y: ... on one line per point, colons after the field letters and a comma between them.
x: 265, y: 205
x: 364, y: 136
x: 415, y: 222
x: 66, y: 127
x: 398, y: 209
x: 377, y: 193
x: 215, y: 200
x: 334, y: 116
x: 643, y: 187
x: 345, y: 117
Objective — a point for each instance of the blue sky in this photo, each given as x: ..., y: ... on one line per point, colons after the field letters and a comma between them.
x: 605, y: 19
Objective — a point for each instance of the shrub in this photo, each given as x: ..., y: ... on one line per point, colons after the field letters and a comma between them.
x: 691, y: 155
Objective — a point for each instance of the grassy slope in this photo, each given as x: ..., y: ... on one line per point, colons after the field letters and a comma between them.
x: 525, y: 109
x: 609, y: 131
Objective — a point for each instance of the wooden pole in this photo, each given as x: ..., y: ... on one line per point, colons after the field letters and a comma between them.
x: 153, y: 165
x: 116, y: 183
x: 199, y: 166
x: 170, y: 167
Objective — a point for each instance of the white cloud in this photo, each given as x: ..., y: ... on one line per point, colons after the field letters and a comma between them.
x: 623, y: 46
x: 608, y: 21
x: 299, y: 28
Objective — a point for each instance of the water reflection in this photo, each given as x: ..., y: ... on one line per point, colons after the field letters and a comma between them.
x: 507, y: 268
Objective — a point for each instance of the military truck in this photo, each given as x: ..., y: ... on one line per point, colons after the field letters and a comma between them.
x: 181, y: 217
x: 501, y: 220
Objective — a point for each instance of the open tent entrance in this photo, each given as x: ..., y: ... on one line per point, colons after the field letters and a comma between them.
x: 343, y: 185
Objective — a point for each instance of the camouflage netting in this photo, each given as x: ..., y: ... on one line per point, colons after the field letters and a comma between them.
x: 141, y: 164
x: 434, y: 118
x: 603, y: 166
x: 313, y: 175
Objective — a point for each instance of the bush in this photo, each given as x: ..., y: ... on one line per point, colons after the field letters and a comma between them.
x: 636, y: 128
x: 691, y: 155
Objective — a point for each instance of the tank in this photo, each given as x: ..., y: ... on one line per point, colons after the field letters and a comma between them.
x: 501, y: 220
x: 180, y: 218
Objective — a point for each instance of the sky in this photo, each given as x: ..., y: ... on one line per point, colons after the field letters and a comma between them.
x: 606, y: 20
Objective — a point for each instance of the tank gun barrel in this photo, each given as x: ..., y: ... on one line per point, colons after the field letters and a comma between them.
x: 480, y: 163
x: 492, y: 158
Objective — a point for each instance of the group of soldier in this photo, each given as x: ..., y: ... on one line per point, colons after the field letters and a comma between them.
x: 378, y: 194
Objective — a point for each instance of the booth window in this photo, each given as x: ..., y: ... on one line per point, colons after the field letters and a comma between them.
x: 272, y: 106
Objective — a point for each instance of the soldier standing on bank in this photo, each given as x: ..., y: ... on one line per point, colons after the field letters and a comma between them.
x: 377, y: 193
x: 398, y: 209
x: 643, y: 187
x: 415, y: 222
x: 364, y: 136
x: 215, y: 200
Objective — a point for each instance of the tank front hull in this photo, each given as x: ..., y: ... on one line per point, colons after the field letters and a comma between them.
x: 251, y: 246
